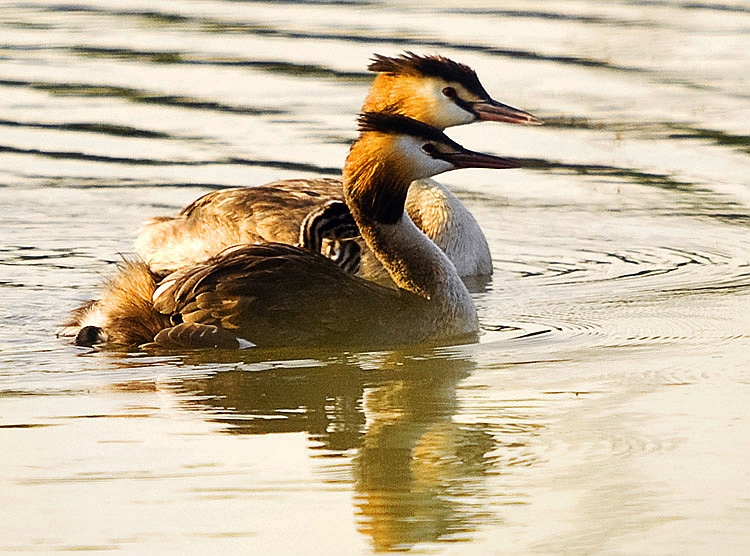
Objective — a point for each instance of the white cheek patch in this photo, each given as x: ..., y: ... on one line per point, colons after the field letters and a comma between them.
x: 411, y: 147
x: 422, y: 165
x: 445, y: 111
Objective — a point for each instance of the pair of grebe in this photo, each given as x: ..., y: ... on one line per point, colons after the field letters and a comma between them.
x: 235, y: 277
x: 431, y: 89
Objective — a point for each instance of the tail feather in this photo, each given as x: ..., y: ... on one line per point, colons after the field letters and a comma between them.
x: 125, y: 314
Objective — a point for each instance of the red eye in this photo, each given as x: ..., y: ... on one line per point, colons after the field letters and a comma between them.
x: 450, y: 92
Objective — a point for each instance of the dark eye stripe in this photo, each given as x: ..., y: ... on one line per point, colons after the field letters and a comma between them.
x: 385, y: 122
x: 450, y: 92
x: 431, y: 150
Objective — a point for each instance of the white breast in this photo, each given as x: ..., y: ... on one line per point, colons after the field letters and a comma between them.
x: 452, y: 227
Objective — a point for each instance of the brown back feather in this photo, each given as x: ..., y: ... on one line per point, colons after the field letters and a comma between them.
x: 280, y: 295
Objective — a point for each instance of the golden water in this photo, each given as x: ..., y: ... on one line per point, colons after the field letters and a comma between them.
x: 605, y: 409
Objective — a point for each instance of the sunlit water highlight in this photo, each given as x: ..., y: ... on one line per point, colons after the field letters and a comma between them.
x: 604, y: 410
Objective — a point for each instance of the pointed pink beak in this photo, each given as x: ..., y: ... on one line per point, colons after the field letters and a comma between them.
x: 493, y: 111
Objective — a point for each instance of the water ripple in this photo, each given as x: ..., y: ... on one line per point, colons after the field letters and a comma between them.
x: 138, y: 95
x: 212, y: 25
x: 72, y: 155
x: 91, y: 127
x: 280, y: 67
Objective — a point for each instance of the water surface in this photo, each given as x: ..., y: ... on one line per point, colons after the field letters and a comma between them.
x: 604, y: 410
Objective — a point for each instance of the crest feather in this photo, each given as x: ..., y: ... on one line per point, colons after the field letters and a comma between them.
x: 387, y: 122
x: 409, y: 63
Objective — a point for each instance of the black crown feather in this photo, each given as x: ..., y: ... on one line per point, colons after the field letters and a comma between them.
x: 409, y: 63
x: 388, y: 122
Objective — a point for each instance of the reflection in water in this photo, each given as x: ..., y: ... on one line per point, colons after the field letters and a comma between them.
x: 417, y: 472
x: 415, y: 468
x: 323, y: 402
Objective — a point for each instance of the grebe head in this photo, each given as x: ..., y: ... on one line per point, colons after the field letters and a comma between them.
x: 437, y: 91
x: 394, y: 150
x: 421, y: 150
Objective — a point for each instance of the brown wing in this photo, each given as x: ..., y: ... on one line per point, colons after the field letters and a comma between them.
x: 279, y: 295
x: 220, y: 219
x: 270, y: 212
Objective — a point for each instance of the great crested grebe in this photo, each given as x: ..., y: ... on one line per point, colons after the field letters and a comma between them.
x: 276, y: 294
x: 430, y: 89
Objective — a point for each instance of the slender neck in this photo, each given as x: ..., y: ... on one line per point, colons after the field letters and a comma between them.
x: 375, y: 188
x: 412, y: 260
